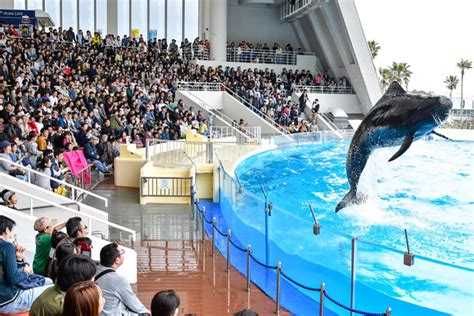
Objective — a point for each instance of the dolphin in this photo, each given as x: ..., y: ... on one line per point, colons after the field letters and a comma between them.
x: 397, y: 119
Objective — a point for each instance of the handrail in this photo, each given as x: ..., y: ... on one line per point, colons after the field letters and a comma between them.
x: 73, y: 187
x: 90, y: 217
x: 324, y: 89
x: 330, y: 124
x: 192, y: 161
x: 221, y: 115
x: 247, y: 104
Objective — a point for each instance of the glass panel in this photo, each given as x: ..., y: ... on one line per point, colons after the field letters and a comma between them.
x: 191, y: 14
x: 139, y: 18
x: 101, y: 17
x: 86, y: 15
x: 52, y: 8
x: 70, y: 14
x: 175, y: 21
x: 35, y: 4
x: 157, y: 18
x: 19, y: 4
x: 123, y: 20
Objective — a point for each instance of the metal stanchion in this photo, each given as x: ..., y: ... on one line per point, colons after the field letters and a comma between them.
x: 228, y: 250
x: 213, y: 236
x: 388, y: 312
x: 321, y: 300
x: 248, y: 267
x: 197, y: 215
x: 203, y: 233
x: 353, y: 271
x: 278, y: 288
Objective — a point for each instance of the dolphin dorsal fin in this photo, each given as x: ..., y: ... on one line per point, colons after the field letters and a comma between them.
x: 395, y: 89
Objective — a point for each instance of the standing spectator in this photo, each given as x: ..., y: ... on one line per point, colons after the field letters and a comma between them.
x: 45, y: 227
x: 118, y: 294
x: 165, y: 303
x: 303, y: 99
x: 73, y: 270
x: 14, y: 271
x: 83, y: 299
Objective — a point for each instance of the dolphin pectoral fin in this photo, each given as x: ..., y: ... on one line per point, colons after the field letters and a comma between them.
x: 352, y: 197
x: 406, y: 144
x: 441, y: 135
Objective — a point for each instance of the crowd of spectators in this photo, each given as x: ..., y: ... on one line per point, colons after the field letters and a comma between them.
x: 245, y: 52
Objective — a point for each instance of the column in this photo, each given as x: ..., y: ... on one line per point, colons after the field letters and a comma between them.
x: 218, y: 29
x: 7, y: 4
x: 112, y: 17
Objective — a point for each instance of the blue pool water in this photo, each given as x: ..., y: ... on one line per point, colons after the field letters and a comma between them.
x: 428, y: 191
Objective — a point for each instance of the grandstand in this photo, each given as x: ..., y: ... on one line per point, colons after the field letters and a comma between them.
x: 132, y: 114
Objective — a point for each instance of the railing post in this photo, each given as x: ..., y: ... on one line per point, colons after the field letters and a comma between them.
x: 197, y: 215
x: 31, y: 206
x: 228, y: 250
x: 147, y: 148
x: 213, y: 236
x: 278, y: 288
x: 203, y: 234
x: 321, y: 300
x: 388, y: 312
x: 248, y: 267
x: 89, y: 223
x: 353, y: 271
x: 73, y: 195
x: 29, y: 175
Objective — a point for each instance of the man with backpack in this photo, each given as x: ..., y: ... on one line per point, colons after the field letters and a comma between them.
x: 77, y: 235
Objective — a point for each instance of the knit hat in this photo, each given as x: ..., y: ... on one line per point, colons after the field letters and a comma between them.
x: 7, y: 196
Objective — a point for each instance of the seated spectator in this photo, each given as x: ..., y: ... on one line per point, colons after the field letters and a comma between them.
x: 91, y: 154
x: 165, y: 303
x: 14, y: 271
x: 77, y: 235
x: 246, y: 312
x: 9, y: 199
x: 83, y: 299
x: 6, y: 167
x: 60, y: 253
x: 44, y: 166
x: 72, y: 270
x: 118, y: 294
x: 45, y: 227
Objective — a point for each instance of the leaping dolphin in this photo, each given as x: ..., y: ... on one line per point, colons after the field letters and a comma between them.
x: 398, y: 118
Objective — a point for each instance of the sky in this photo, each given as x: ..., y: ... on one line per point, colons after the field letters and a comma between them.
x: 430, y: 35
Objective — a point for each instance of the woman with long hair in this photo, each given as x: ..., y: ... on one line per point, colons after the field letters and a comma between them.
x: 44, y: 166
x: 83, y: 299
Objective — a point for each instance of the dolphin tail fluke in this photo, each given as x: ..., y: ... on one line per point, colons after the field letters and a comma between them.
x: 352, y: 197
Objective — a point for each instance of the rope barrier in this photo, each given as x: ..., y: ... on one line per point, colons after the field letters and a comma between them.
x: 262, y: 264
x: 235, y: 245
x: 351, y: 309
x: 219, y: 232
x: 299, y: 284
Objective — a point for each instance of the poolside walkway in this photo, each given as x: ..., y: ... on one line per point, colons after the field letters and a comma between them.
x: 170, y: 256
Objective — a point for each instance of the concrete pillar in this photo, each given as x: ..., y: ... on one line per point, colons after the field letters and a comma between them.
x: 112, y: 17
x: 7, y: 4
x: 218, y: 29
x: 204, y: 18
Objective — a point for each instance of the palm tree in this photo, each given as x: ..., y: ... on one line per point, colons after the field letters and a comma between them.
x: 374, y: 48
x: 451, y: 83
x: 463, y: 65
x: 401, y: 73
x: 385, y: 78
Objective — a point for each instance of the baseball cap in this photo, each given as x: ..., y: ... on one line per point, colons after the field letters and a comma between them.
x: 4, y: 144
x: 43, y: 222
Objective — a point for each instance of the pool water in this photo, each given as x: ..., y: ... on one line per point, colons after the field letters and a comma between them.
x: 429, y: 191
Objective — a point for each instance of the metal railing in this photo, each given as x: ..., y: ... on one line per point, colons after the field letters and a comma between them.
x: 199, y: 213
x: 173, y: 152
x: 90, y: 218
x: 329, y: 123
x: 288, y: 9
x: 166, y: 186
x: 199, y: 86
x: 324, y: 89
x: 262, y: 56
x: 76, y: 192
x: 228, y: 133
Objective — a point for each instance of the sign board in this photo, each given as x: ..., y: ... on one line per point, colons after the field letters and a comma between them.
x: 14, y: 17
x: 164, y: 184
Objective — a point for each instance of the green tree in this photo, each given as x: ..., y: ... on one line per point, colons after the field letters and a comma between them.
x: 451, y: 83
x: 385, y: 78
x: 464, y: 64
x: 374, y: 48
x: 401, y: 73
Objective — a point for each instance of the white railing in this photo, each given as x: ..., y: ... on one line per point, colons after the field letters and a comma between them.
x: 170, y: 152
x: 75, y: 191
x: 226, y: 132
x: 199, y: 86
x: 324, y: 89
x: 288, y: 9
x: 91, y: 218
x: 263, y: 56
x: 330, y: 124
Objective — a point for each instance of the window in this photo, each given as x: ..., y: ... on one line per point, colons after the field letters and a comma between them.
x: 191, y: 14
x: 139, y: 17
x: 69, y: 14
x: 175, y: 21
x: 123, y: 18
x: 19, y: 4
x: 52, y: 8
x: 101, y: 17
x: 86, y: 15
x: 35, y: 4
x: 157, y: 17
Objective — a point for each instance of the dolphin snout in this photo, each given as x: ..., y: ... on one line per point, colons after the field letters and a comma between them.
x: 446, y: 103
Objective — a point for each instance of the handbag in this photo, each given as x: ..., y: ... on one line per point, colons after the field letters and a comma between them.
x: 33, y: 280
